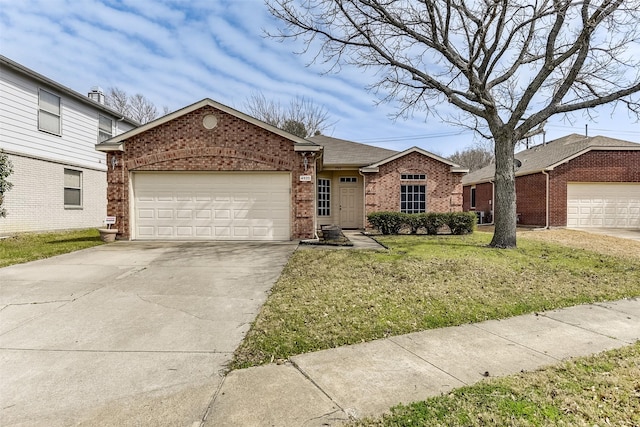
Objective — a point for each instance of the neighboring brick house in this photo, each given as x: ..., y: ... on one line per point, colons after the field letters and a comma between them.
x: 49, y: 132
x: 209, y: 172
x: 574, y: 181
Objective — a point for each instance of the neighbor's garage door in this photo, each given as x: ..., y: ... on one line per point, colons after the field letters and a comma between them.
x: 211, y: 206
x: 603, y: 205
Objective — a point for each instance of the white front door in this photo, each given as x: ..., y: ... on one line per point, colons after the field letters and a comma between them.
x: 211, y: 206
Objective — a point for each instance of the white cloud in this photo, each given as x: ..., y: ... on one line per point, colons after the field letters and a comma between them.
x: 177, y: 52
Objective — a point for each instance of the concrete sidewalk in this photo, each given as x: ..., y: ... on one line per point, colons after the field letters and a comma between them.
x: 329, y: 387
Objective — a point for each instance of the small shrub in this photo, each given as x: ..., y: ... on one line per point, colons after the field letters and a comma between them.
x: 460, y: 222
x: 394, y: 222
x: 432, y: 221
x: 414, y: 222
x: 387, y: 222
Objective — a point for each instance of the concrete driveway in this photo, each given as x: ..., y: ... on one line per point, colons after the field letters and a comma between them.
x: 623, y: 233
x: 132, y: 333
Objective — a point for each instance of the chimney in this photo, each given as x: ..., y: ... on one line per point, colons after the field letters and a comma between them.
x: 97, y: 94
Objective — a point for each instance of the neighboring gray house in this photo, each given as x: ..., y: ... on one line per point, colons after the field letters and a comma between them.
x: 49, y: 132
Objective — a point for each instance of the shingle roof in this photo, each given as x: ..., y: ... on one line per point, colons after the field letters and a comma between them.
x: 546, y: 156
x: 340, y: 152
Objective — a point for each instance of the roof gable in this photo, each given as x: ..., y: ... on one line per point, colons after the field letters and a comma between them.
x: 548, y: 156
x: 115, y: 143
x: 375, y: 166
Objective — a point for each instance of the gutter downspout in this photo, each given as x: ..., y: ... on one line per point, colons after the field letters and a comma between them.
x: 546, y: 226
x: 364, y: 200
x: 315, y: 198
x: 493, y: 202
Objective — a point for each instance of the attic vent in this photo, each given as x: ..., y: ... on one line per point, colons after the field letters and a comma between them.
x: 210, y: 121
x: 97, y: 94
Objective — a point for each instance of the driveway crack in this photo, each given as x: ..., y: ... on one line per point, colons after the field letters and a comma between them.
x: 65, y: 301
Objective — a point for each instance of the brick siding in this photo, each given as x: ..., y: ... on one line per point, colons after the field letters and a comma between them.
x: 484, y: 199
x: 444, y: 188
x: 36, y: 201
x: 531, y: 199
x: 593, y: 166
x: 184, y: 144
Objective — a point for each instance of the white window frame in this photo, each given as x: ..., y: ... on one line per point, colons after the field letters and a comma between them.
x: 324, y: 197
x: 104, y: 132
x: 413, y: 176
x: 74, y: 188
x: 45, y: 110
x: 410, y: 198
x: 472, y: 197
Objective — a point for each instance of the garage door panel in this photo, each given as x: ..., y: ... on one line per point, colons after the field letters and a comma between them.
x: 184, y: 231
x: 184, y: 214
x: 165, y: 213
x: 203, y: 214
x: 204, y: 232
x: 615, y: 205
x: 165, y: 231
x: 226, y: 206
x: 146, y: 213
x: 145, y: 231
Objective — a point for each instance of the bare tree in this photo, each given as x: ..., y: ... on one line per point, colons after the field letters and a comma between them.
x: 118, y: 100
x: 302, y: 117
x: 474, y: 158
x: 142, y: 109
x: 498, y: 67
x: 136, y: 107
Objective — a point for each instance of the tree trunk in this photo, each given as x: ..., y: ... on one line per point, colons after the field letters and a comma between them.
x: 505, y: 195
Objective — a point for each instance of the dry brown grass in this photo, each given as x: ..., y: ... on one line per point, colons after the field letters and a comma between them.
x: 602, y: 244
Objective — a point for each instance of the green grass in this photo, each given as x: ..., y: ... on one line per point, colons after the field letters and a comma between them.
x: 27, y: 247
x: 603, y: 389
x: 329, y: 298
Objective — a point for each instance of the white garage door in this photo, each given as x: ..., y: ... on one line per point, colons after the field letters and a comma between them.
x: 211, y: 206
x: 603, y: 205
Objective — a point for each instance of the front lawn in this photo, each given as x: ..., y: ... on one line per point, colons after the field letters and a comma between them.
x: 600, y: 390
x: 27, y: 247
x: 329, y: 298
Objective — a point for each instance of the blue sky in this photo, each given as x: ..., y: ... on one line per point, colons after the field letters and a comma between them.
x: 177, y: 52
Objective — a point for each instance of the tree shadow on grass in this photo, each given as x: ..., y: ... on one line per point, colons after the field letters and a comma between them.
x: 74, y: 240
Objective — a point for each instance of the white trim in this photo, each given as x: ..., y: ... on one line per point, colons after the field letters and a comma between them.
x: 586, y: 150
x: 473, y: 197
x: 560, y: 162
x: 58, y: 162
x: 375, y: 167
x: 207, y: 102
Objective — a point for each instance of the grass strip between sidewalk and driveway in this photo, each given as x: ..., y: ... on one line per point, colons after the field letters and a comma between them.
x: 25, y: 247
x: 328, y: 298
x: 598, y: 390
